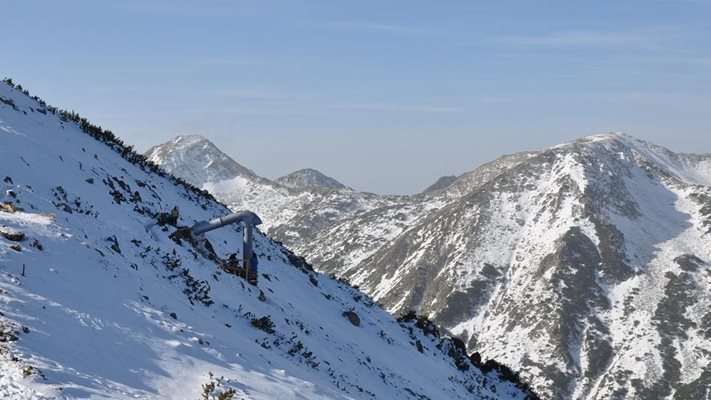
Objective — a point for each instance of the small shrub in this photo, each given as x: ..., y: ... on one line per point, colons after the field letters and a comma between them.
x: 264, y: 324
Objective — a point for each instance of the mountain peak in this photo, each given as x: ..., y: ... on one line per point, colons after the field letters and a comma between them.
x: 309, y: 178
x: 196, y: 159
x: 189, y: 139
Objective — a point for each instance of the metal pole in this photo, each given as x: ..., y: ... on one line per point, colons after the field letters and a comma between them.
x: 247, y: 246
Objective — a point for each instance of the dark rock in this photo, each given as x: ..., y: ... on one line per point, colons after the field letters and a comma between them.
x: 11, y: 234
x: 352, y: 317
x: 419, y: 346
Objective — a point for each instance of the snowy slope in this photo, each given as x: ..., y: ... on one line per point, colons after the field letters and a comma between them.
x: 586, y: 266
x: 109, y: 306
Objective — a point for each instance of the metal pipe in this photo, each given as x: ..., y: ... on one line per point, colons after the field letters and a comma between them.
x: 249, y: 218
x: 247, y: 246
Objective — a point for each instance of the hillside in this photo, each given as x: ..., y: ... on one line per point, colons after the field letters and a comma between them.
x: 586, y: 265
x: 98, y: 301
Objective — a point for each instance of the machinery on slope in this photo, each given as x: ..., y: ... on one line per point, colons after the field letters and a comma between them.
x: 249, y: 219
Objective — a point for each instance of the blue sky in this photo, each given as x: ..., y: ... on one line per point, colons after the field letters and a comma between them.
x: 385, y: 96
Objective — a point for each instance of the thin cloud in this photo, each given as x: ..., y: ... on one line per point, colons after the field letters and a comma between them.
x: 397, y: 107
x: 382, y: 28
x: 576, y: 39
x: 229, y: 110
x: 249, y: 93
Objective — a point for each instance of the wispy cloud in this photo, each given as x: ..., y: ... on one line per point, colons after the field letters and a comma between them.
x: 236, y: 110
x: 426, y: 108
x: 248, y: 93
x: 577, y: 39
x: 391, y: 29
x: 651, y: 98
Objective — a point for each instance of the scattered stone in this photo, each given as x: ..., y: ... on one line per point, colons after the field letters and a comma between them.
x: 11, y: 234
x: 7, y: 334
x: 114, y: 244
x: 36, y: 244
x: 352, y: 317
x: 89, y: 181
x: 64, y: 207
x: 16, y: 247
x: 7, y: 207
x: 174, y: 315
x: 11, y: 193
x: 8, y: 180
x: 419, y: 346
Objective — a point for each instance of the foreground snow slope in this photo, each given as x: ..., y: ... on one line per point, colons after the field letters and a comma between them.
x: 97, y: 301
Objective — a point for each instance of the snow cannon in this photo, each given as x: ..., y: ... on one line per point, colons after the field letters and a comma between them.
x: 247, y: 218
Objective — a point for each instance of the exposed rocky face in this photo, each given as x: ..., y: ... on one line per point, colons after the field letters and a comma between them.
x: 585, y: 266
x: 442, y: 183
x: 309, y: 179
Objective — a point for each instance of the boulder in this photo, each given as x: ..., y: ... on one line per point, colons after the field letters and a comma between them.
x: 352, y: 317
x: 11, y: 234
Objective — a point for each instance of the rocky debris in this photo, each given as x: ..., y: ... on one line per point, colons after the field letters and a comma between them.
x: 10, y: 208
x: 114, y: 244
x: 352, y: 317
x: 11, y: 234
x: 7, y: 334
x: 37, y: 245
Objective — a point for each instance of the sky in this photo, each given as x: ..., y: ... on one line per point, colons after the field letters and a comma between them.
x: 385, y: 96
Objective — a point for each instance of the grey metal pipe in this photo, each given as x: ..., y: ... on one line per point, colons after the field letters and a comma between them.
x: 249, y: 218
x: 247, y: 246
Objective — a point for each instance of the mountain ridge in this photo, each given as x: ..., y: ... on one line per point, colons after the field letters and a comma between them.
x: 309, y: 178
x: 465, y: 253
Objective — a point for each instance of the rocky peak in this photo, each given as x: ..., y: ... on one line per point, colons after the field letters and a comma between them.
x: 309, y: 179
x: 196, y: 159
x: 441, y: 183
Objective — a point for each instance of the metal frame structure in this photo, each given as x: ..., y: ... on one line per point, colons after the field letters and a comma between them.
x: 248, y: 218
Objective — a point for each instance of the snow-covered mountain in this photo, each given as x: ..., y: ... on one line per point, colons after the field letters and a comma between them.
x: 590, y: 260
x: 197, y: 160
x: 99, y: 301
x: 309, y: 179
x: 304, y: 203
x: 586, y: 266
